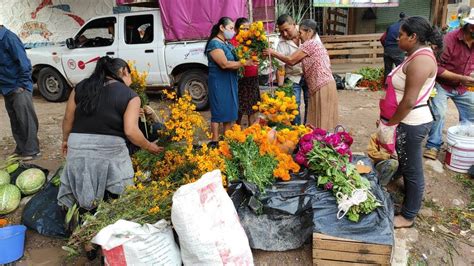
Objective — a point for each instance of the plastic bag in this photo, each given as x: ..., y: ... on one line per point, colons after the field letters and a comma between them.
x: 339, y: 81
x: 387, y: 136
x: 43, y: 214
x: 376, y: 227
x: 129, y: 243
x: 207, y: 224
x: 282, y: 213
x: 351, y: 80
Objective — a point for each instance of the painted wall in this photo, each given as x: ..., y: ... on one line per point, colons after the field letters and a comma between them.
x: 45, y: 22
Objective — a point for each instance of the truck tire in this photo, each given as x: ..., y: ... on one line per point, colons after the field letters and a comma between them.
x: 194, y: 82
x: 52, y: 85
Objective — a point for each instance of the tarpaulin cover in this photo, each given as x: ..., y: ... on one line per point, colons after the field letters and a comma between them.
x: 190, y: 20
x: 376, y: 227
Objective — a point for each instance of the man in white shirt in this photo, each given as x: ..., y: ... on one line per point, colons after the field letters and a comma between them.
x: 288, y: 44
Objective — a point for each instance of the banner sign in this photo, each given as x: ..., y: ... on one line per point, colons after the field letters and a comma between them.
x: 355, y: 3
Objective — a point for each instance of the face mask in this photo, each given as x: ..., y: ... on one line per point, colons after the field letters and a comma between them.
x: 228, y: 34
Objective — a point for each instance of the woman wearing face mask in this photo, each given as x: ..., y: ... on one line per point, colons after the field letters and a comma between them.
x: 323, y: 101
x: 102, y: 111
x: 222, y: 80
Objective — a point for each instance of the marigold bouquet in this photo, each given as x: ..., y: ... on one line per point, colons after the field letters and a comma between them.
x: 278, y: 108
x: 241, y: 148
x: 138, y: 82
x: 251, y: 42
x: 182, y: 122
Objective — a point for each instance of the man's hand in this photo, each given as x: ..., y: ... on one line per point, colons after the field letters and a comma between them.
x: 467, y: 81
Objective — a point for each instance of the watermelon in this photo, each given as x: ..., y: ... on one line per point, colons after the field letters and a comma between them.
x: 30, y: 181
x: 4, y: 177
x: 10, y: 197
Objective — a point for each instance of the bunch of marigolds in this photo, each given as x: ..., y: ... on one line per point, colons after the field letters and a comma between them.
x: 278, y: 108
x: 278, y: 144
x: 183, y: 121
x: 251, y: 43
x: 138, y: 82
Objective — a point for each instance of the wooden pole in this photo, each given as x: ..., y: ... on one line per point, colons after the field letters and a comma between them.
x: 250, y: 9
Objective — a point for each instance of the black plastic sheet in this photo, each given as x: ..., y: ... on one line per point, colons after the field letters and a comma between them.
x: 283, y: 213
x: 43, y: 214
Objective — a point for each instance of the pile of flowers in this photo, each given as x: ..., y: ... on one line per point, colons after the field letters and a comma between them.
x: 138, y: 82
x: 328, y: 156
x: 260, y: 154
x: 278, y: 108
x: 251, y: 42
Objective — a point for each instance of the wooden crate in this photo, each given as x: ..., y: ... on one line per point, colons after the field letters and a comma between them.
x: 329, y: 250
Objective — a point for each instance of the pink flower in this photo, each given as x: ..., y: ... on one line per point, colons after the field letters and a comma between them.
x: 306, y: 147
x: 319, y: 134
x: 332, y: 139
x: 343, y: 169
x: 301, y: 159
x: 346, y: 138
x: 328, y: 186
x: 307, y: 138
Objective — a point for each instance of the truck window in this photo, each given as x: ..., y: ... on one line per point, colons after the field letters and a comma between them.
x: 97, y: 33
x: 139, y: 29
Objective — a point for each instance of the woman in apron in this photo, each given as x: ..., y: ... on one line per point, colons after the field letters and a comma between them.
x: 405, y: 109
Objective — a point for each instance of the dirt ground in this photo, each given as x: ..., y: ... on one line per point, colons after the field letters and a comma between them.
x: 440, y: 236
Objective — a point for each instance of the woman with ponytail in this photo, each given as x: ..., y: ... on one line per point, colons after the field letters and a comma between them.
x: 222, y: 80
x: 405, y: 110
x: 101, y: 113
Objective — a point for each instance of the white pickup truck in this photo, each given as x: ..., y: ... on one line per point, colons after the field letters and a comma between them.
x: 136, y: 36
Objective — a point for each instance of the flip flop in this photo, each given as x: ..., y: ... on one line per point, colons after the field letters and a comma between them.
x: 405, y: 226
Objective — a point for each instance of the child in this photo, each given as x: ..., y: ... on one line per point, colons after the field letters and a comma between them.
x: 385, y: 163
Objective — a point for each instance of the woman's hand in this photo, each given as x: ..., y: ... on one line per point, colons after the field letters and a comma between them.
x: 250, y: 62
x: 268, y: 52
x: 153, y: 148
x: 64, y: 148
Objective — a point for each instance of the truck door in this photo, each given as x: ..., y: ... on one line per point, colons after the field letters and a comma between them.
x: 97, y: 38
x: 140, y: 43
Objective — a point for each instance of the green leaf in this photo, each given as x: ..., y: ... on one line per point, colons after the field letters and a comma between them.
x: 322, y: 180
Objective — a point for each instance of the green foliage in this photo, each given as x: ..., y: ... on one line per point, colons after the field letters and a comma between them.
x: 248, y: 164
x: 371, y: 74
x: 333, y: 168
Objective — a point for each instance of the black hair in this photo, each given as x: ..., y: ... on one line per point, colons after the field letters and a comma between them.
x: 224, y: 21
x: 282, y: 19
x: 402, y: 15
x: 425, y: 33
x: 239, y: 23
x: 309, y: 24
x: 88, y: 91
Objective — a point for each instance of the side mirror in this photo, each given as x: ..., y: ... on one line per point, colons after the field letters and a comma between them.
x: 70, y: 43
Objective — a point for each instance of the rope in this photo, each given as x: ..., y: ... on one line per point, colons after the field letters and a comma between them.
x: 358, y: 196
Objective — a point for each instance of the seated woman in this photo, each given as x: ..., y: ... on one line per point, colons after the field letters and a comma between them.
x: 101, y: 113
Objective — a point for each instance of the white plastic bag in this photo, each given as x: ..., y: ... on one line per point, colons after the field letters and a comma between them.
x: 129, y: 243
x: 351, y: 80
x: 207, y: 224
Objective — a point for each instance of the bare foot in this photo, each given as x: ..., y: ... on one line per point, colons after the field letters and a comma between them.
x: 401, y: 222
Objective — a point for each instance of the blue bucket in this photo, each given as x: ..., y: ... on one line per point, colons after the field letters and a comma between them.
x: 12, y: 243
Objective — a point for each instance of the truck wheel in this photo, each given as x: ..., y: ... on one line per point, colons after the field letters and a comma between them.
x: 52, y: 86
x: 194, y: 82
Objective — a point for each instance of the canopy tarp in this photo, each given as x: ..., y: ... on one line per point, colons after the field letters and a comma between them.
x: 190, y: 20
